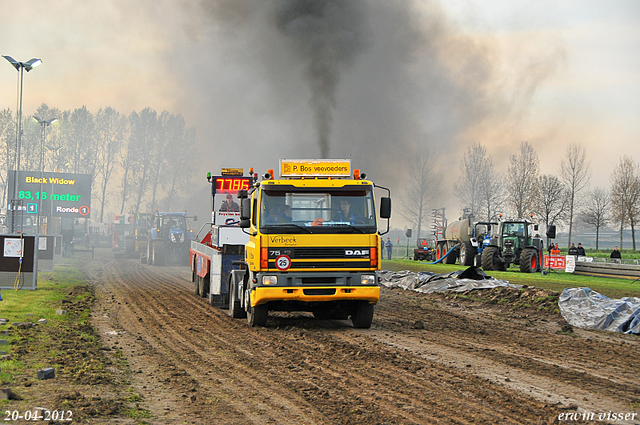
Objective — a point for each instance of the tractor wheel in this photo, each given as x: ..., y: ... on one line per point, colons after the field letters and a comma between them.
x: 362, y: 315
x: 529, y: 260
x: 490, y: 259
x: 467, y: 252
x: 452, y: 257
x: 440, y: 250
x: 256, y: 316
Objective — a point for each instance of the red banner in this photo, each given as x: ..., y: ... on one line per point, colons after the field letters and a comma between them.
x: 557, y: 261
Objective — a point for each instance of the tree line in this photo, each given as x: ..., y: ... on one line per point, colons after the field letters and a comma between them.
x: 562, y: 200
x: 138, y: 162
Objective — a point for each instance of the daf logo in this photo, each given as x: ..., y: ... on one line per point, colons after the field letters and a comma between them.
x: 356, y: 252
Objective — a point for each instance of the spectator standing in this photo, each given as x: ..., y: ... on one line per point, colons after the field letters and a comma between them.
x: 555, y: 250
x: 615, y: 255
x: 581, y: 250
x: 573, y: 250
x: 389, y: 247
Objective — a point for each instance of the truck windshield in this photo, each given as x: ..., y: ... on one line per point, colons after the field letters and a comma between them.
x: 326, y: 211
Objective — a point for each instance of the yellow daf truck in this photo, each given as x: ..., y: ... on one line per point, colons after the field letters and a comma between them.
x: 313, y: 244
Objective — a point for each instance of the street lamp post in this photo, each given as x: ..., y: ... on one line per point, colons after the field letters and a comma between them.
x: 44, y: 124
x: 20, y: 67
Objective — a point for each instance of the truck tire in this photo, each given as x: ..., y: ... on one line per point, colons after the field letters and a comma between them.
x: 235, y: 309
x: 256, y: 316
x: 362, y: 315
x: 467, y: 252
x: 529, y: 260
x: 149, y: 257
x: 197, y: 286
x: 490, y: 259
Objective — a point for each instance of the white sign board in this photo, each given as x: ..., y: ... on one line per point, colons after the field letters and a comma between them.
x: 13, y: 247
x: 570, y: 264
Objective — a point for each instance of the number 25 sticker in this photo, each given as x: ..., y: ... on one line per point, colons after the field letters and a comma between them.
x: 283, y: 262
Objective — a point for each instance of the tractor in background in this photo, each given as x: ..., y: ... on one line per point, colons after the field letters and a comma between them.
x: 169, y: 239
x: 515, y: 243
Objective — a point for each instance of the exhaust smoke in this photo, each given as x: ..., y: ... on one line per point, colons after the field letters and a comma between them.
x: 328, y: 36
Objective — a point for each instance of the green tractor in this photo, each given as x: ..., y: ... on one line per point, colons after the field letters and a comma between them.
x: 514, y: 244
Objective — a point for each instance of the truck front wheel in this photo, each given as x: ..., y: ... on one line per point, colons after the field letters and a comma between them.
x: 362, y: 315
x: 256, y: 316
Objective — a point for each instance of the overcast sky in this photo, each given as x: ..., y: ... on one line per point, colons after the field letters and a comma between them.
x: 405, y: 76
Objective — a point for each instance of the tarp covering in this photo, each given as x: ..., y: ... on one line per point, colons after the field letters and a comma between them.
x: 427, y: 282
x: 584, y: 308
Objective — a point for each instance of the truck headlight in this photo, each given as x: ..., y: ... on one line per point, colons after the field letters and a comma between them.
x: 269, y: 280
x: 367, y: 279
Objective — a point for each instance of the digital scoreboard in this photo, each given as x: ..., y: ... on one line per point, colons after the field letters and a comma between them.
x: 52, y: 194
x: 230, y: 184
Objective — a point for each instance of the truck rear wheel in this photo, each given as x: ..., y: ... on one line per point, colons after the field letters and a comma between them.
x: 235, y: 309
x: 198, y: 285
x: 256, y: 316
x: 528, y: 260
x: 362, y: 315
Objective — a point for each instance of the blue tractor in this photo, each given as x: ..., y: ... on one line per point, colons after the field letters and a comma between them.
x: 169, y: 239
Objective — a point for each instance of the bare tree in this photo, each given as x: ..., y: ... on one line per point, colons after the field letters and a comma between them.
x: 473, y: 168
x: 110, y: 128
x: 576, y: 173
x: 553, y: 202
x: 491, y: 194
x: 522, y: 180
x: 596, y: 211
x: 625, y: 195
x: 81, y: 141
x: 422, y: 190
x: 144, y: 128
x: 7, y: 153
x: 181, y: 142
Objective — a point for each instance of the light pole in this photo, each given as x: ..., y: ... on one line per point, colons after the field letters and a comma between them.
x: 20, y: 67
x: 44, y: 124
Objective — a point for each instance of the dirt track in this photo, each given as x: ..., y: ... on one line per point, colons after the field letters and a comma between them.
x: 426, y: 359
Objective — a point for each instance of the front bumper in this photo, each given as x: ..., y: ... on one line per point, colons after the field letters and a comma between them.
x: 262, y: 294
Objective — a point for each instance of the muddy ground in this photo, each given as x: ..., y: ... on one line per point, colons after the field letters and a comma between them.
x: 426, y: 359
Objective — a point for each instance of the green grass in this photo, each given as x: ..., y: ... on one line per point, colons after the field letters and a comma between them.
x: 556, y: 281
x: 30, y: 306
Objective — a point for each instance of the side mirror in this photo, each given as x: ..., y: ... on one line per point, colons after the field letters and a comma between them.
x: 195, y: 218
x: 245, y: 224
x: 245, y: 209
x: 385, y: 207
